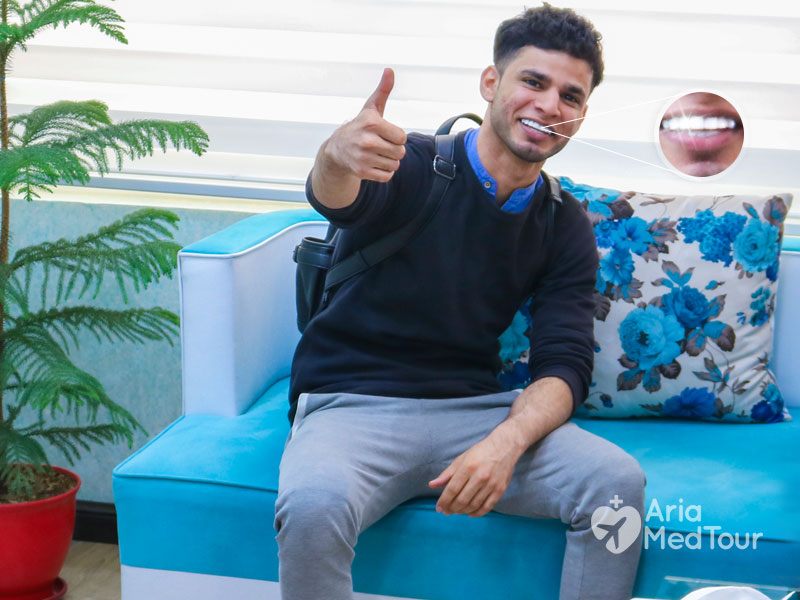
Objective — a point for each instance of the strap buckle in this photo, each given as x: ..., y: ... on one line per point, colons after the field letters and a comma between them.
x: 443, y: 167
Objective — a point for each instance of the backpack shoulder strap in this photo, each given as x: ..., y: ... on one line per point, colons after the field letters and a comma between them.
x: 555, y: 188
x: 444, y: 172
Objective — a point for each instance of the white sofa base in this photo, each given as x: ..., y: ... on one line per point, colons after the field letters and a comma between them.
x: 156, y: 584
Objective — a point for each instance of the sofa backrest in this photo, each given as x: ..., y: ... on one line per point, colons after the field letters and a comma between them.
x: 238, y: 328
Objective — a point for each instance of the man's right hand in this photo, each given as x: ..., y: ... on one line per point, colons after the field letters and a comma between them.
x: 368, y: 147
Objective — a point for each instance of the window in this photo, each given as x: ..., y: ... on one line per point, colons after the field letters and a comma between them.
x: 270, y: 81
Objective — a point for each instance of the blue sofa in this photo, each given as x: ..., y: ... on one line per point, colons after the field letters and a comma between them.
x: 195, y: 505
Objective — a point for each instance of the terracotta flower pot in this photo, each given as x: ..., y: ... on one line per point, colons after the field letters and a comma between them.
x: 34, y: 543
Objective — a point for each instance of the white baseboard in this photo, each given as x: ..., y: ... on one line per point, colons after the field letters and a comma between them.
x: 155, y: 584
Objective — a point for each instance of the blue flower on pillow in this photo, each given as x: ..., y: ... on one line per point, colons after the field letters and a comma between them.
x: 632, y: 234
x: 617, y: 267
x: 762, y: 306
x: 770, y: 409
x: 694, y: 311
x: 603, y: 231
x: 516, y: 377
x: 772, y: 271
x: 757, y: 246
x: 692, y: 403
x: 615, y: 276
x: 513, y: 341
x: 598, y: 200
x: 650, y: 337
x: 715, y: 234
x: 689, y: 305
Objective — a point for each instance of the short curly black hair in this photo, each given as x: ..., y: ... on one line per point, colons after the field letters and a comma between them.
x: 550, y: 28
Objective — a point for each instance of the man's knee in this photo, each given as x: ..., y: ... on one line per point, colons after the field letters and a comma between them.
x: 314, y: 514
x: 619, y: 482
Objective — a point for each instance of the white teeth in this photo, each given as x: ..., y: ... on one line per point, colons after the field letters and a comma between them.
x: 537, y: 126
x: 698, y: 124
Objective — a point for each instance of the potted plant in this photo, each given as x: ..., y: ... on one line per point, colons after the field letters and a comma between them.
x: 42, y: 288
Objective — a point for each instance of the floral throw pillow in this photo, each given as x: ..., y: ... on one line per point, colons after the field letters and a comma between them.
x: 683, y: 307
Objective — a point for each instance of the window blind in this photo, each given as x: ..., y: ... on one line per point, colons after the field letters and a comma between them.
x: 269, y: 81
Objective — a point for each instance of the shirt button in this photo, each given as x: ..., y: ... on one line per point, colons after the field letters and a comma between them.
x: 487, y: 184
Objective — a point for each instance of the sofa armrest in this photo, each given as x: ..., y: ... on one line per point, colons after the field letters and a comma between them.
x: 787, y: 325
x: 238, y: 312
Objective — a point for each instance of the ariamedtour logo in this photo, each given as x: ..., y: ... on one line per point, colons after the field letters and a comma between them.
x: 620, y: 527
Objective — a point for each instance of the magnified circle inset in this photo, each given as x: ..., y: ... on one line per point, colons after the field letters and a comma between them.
x: 701, y: 134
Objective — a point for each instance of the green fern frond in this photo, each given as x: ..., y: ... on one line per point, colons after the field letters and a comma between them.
x: 129, y: 248
x: 21, y: 456
x: 63, y: 141
x: 12, y: 412
x: 70, y: 441
x: 51, y: 382
x: 31, y: 353
x: 59, y: 121
x: 40, y: 14
x: 38, y: 167
x: 16, y: 298
x: 134, y: 325
x: 136, y: 139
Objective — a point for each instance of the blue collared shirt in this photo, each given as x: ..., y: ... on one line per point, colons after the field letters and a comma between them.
x: 519, y: 199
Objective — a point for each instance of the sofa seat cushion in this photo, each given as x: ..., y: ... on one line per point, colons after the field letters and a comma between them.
x: 744, y: 479
x: 242, y: 451
x: 200, y: 498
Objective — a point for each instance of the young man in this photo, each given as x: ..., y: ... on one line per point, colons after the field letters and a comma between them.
x: 394, y: 390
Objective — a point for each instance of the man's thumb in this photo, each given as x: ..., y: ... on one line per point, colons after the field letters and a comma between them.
x: 379, y: 97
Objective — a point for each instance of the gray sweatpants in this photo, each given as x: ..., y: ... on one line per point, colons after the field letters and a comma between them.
x: 351, y: 458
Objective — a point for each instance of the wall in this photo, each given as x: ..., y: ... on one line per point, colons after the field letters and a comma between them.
x: 143, y: 378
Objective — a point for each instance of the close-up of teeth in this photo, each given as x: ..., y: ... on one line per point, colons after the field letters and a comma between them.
x: 537, y: 126
x: 698, y: 124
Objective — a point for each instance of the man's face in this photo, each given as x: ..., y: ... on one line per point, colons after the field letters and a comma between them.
x: 537, y: 86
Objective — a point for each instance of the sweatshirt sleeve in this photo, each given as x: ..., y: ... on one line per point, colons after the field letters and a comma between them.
x: 377, y: 202
x: 562, y: 308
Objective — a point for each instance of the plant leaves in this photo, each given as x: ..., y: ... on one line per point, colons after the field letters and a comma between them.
x: 602, y: 306
x: 720, y: 409
x: 131, y: 249
x: 652, y: 381
x: 716, y: 306
x: 621, y: 209
x: 727, y: 339
x: 750, y: 210
x: 629, y: 380
x: 670, y: 371
x: 695, y: 343
x: 671, y: 269
x: 714, y: 329
x: 703, y: 375
x: 775, y: 211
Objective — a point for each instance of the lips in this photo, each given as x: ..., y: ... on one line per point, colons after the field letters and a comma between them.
x: 537, y: 128
x: 700, y: 132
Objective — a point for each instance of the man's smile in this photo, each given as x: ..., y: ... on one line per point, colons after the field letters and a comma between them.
x: 536, y: 126
x: 699, y: 125
x: 701, y: 131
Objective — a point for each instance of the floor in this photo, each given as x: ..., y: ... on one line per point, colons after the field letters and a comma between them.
x: 92, y: 572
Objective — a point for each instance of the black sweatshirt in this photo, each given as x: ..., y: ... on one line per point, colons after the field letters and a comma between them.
x: 425, y: 322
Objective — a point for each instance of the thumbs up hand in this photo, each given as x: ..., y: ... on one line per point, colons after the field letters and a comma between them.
x: 368, y: 147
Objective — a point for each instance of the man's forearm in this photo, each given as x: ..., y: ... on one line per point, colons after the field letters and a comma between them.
x: 543, y: 406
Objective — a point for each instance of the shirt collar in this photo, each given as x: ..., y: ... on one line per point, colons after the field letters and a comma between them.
x: 519, y: 198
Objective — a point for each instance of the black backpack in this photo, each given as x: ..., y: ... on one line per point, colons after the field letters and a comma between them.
x: 317, y: 276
